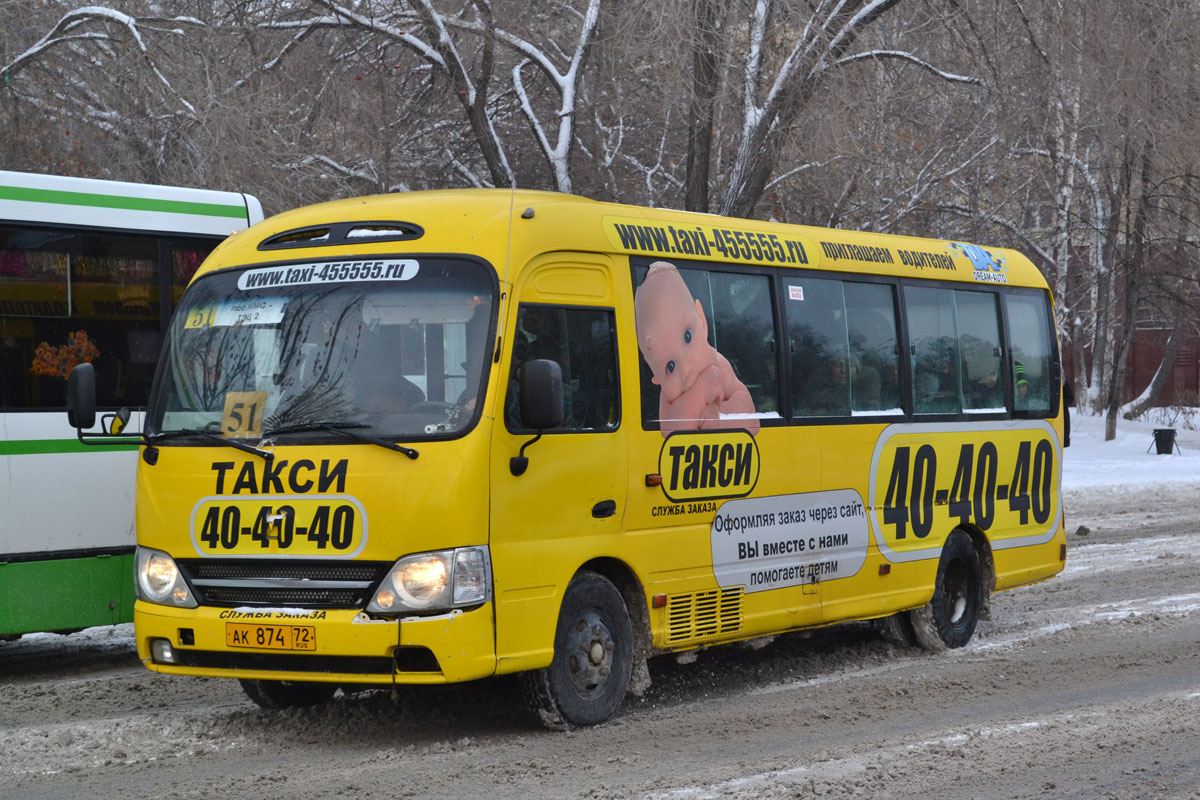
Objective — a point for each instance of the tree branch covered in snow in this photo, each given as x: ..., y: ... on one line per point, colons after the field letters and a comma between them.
x: 565, y: 82
x: 900, y: 55
x: 69, y: 30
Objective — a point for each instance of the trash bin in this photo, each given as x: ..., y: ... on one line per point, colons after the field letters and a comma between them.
x: 1164, y: 441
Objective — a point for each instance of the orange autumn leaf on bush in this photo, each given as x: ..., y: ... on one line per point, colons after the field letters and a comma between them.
x: 59, y: 361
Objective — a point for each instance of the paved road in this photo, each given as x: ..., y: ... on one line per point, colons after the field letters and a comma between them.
x: 1085, y: 686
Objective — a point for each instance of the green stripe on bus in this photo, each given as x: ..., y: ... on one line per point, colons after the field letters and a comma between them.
x: 120, y: 201
x: 29, y: 447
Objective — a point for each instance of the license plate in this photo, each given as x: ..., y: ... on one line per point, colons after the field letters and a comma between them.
x: 271, y: 637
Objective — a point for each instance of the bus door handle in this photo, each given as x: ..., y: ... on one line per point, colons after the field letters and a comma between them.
x: 605, y: 508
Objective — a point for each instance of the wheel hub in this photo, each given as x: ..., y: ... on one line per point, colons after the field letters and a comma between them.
x: 591, y: 647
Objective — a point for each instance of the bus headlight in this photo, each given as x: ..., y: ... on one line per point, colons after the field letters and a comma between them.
x: 157, y: 579
x: 436, y: 581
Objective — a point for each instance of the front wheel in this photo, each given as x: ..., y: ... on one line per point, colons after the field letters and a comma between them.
x: 586, y: 682
x: 287, y: 694
x: 949, y: 619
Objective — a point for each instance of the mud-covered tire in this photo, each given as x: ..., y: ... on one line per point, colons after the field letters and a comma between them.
x: 949, y: 619
x: 587, y: 681
x: 897, y: 629
x: 275, y: 695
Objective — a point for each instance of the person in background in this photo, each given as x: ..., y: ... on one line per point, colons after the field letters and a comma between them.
x: 1021, y: 389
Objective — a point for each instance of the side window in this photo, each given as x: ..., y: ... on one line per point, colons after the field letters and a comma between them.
x: 957, y: 352
x: 1032, y: 353
x: 933, y: 332
x: 583, y: 342
x: 68, y: 296
x: 707, y: 341
x: 817, y: 347
x: 743, y: 330
x: 874, y: 352
x: 979, y: 332
x: 843, y: 347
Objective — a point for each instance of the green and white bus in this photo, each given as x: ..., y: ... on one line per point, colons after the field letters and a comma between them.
x: 90, y: 270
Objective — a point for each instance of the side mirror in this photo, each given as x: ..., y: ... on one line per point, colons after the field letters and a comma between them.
x: 541, y: 394
x: 81, y: 396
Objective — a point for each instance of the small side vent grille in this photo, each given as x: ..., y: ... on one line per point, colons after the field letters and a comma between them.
x: 703, y: 615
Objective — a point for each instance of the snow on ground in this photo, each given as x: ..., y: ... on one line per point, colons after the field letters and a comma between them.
x: 101, y: 640
x: 1131, y: 458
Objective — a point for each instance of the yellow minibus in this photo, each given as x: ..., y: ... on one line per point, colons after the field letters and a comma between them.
x: 433, y: 437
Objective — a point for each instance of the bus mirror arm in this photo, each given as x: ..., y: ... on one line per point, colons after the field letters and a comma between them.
x: 541, y: 388
x: 519, y: 463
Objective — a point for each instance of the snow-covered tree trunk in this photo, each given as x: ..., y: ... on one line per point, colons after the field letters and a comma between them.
x: 706, y: 78
x: 472, y: 93
x: 558, y: 153
x: 1133, y: 266
x: 1144, y: 401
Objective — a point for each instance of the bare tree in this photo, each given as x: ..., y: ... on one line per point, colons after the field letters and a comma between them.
x: 777, y: 85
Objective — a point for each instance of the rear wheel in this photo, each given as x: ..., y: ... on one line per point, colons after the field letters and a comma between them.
x: 897, y: 629
x: 586, y: 682
x: 287, y: 694
x: 949, y: 619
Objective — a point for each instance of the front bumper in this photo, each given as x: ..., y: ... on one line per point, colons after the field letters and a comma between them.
x: 349, y: 647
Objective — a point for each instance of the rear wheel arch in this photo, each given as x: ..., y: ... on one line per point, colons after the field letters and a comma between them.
x: 987, y: 564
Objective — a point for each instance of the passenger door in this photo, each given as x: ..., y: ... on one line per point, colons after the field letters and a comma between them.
x: 568, y: 504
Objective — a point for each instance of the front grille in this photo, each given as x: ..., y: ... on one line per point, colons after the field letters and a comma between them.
x: 269, y: 582
x: 703, y: 615
x: 318, y: 571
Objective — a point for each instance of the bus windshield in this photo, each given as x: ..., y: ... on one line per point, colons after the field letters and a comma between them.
x: 386, y: 348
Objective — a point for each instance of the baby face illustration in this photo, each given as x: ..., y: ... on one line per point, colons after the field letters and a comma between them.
x: 697, y: 383
x: 673, y: 333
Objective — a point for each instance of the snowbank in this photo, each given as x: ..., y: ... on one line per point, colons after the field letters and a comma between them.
x: 1128, y: 459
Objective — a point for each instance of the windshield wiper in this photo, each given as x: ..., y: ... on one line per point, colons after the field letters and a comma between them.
x: 234, y: 443
x: 344, y: 429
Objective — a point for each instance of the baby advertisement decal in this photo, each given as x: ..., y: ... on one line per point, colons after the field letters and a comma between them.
x: 707, y: 344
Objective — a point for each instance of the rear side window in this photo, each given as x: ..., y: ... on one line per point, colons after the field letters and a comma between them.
x: 981, y: 351
x: 874, y: 349
x: 1033, y: 379
x: 935, y: 365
